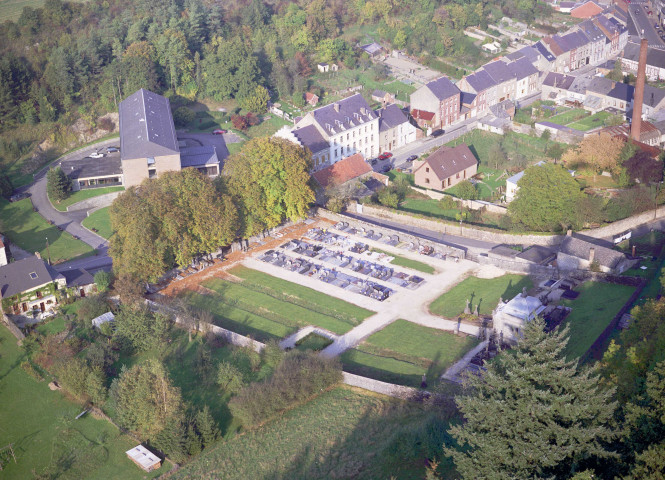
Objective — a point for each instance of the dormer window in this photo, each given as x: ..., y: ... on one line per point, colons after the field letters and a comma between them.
x: 151, y: 160
x: 33, y: 275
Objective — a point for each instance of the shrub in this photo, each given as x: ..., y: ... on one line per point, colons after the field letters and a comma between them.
x: 388, y: 198
x: 103, y: 280
x: 299, y: 376
x: 183, y: 116
x: 239, y: 122
x: 30, y: 369
x: 91, y: 307
x: 447, y: 202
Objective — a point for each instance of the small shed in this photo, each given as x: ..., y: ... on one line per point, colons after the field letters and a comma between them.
x: 144, y: 458
x: 323, y: 67
x: 102, y: 319
x: 311, y: 98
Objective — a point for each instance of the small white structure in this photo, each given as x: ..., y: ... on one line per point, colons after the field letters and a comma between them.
x: 102, y: 319
x: 144, y: 458
x: 323, y: 67
x: 492, y: 47
x: 509, y: 318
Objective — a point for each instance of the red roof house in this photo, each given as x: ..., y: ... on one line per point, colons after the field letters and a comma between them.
x: 343, y: 171
x: 586, y: 10
x: 311, y: 99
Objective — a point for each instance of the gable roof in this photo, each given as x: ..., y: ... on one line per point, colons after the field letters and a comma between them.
x: 378, y: 93
x: 591, y: 31
x: 146, y: 126
x: 558, y: 80
x: 467, y: 98
x: 346, y: 113
x: 311, y: 138
x: 522, y: 68
x: 24, y: 275
x: 311, y: 96
x: 499, y: 72
x: 390, y: 117
x: 542, y: 49
x: 443, y: 88
x: 480, y: 81
x: 579, y: 248
x: 586, y: 10
x: 447, y: 161
x: 78, y: 277
x: 422, y: 115
x: 655, y: 56
x: 342, y: 171
x: 198, y: 156
x: 652, y: 95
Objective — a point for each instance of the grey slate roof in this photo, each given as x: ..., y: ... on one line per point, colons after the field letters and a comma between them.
x: 378, y: 93
x: 78, y: 277
x: 622, y: 91
x: 443, y: 88
x: 579, y: 248
x: 537, y: 254
x: 579, y: 85
x: 559, y: 80
x: 467, y: 98
x: 24, y: 275
x: 591, y: 31
x: 480, y: 81
x: 576, y: 39
x: 447, y: 161
x: 600, y: 85
x: 350, y: 114
x: 522, y: 68
x: 621, y: 28
x: 390, y: 117
x: 146, y: 126
x: 655, y: 57
x: 198, y: 156
x: 529, y: 52
x: 498, y: 71
x: 92, y: 167
x: 652, y: 95
x: 311, y: 138
x: 542, y: 49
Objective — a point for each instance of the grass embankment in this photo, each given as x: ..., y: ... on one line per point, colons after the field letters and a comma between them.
x: 343, y: 433
x: 46, y: 438
x: 592, y: 312
x: 400, y: 261
x: 403, y: 351
x: 479, y: 291
x: 267, y: 307
x: 29, y: 230
x: 99, y: 222
x: 81, y: 195
x: 313, y: 342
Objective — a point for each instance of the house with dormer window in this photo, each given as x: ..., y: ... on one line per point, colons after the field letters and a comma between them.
x: 29, y: 285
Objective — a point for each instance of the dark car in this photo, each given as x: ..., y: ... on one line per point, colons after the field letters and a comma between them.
x: 373, y: 161
x: 411, y: 158
x: 112, y: 149
x: 438, y: 133
x: 386, y: 168
x: 19, y: 196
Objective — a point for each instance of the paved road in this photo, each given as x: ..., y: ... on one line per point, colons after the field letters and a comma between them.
x: 639, y: 21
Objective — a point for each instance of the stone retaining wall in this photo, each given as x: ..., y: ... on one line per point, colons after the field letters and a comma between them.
x: 626, y: 224
x: 517, y: 267
x: 390, y: 389
x: 11, y: 326
x: 472, y: 204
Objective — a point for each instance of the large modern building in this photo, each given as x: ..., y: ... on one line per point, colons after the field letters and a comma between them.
x: 149, y: 147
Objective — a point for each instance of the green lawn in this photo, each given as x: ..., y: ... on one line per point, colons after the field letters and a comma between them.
x: 313, y: 342
x: 81, y: 195
x: 407, y: 262
x: 570, y: 116
x: 45, y: 436
x: 234, y: 147
x: 594, y: 121
x: 592, y: 312
x: 484, y: 292
x: 432, y: 208
x: 403, y: 351
x: 99, y: 222
x: 29, y: 231
x: 344, y: 433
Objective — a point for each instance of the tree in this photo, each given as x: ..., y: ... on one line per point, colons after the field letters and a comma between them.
x: 230, y: 68
x: 643, y: 168
x: 103, y: 280
x: 533, y: 414
x: 599, y: 152
x: 58, y: 185
x: 467, y: 190
x: 388, y: 197
x: 182, y: 116
x: 140, y: 329
x: 256, y: 101
x: 229, y: 378
x: 206, y: 426
x: 546, y: 198
x: 6, y: 187
x: 269, y: 182
x: 546, y: 135
x: 555, y: 152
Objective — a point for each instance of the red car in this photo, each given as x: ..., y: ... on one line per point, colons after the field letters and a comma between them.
x: 219, y: 131
x: 385, y: 156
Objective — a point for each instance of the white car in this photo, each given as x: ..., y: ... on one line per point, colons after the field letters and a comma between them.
x: 96, y: 155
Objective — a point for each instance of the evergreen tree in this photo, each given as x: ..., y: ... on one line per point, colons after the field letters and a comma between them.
x: 533, y: 414
x: 58, y: 185
x: 206, y: 426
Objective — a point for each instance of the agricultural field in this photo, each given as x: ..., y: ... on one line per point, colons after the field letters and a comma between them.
x: 11, y: 9
x: 267, y: 307
x: 479, y: 291
x: 343, y: 433
x: 46, y: 438
x: 29, y: 230
x: 403, y: 351
x: 99, y: 222
x: 81, y: 195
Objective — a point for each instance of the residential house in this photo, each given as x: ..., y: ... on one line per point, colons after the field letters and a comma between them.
x: 555, y: 86
x: 440, y: 97
x: 616, y: 34
x: 547, y: 60
x: 446, y: 167
x: 423, y: 118
x: 596, y: 41
x: 383, y: 97
x: 571, y: 50
x: 577, y: 254
x: 654, y: 100
x: 79, y: 282
x: 342, y: 128
x: 349, y: 169
x: 534, y: 55
x: 510, y: 318
x: 483, y: 86
x: 311, y: 99
x: 611, y: 94
x: 29, y: 285
x: 372, y: 49
x: 655, y: 61
x: 504, y: 80
x: 586, y: 10
x: 395, y: 130
x: 526, y: 77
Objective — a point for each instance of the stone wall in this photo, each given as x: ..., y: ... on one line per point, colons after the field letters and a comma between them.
x: 95, y: 202
x: 516, y: 266
x: 472, y: 204
x: 11, y: 326
x: 390, y: 389
x: 620, y: 226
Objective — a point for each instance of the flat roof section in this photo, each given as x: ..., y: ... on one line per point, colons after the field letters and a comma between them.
x: 87, y: 167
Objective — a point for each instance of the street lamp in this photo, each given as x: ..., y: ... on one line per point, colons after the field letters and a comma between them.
x: 48, y: 251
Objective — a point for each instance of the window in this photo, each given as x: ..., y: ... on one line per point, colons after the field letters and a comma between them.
x: 426, y: 169
x: 33, y: 275
x: 457, y: 175
x: 39, y: 294
x: 152, y: 173
x: 427, y: 180
x: 151, y: 160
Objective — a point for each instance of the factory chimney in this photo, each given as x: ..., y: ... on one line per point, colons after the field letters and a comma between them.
x: 638, y: 99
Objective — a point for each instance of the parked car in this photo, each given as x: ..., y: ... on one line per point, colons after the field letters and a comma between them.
x: 385, y: 156
x: 96, y: 155
x: 411, y: 158
x: 386, y: 168
x: 219, y: 131
x: 438, y: 133
x: 19, y: 196
x: 373, y: 161
x: 112, y: 149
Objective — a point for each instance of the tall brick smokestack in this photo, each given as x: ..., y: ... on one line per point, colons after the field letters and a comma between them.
x: 638, y: 99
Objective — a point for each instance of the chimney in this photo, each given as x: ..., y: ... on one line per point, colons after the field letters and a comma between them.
x: 524, y: 292
x: 614, y: 84
x: 638, y: 99
x: 633, y: 251
x: 592, y: 254
x: 336, y: 107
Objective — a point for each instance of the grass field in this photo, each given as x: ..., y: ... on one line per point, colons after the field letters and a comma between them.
x: 345, y: 78
x: 592, y: 311
x: 432, y: 208
x: 81, y: 195
x: 100, y: 221
x: 313, y: 342
x: 29, y: 230
x: 479, y: 291
x: 576, y: 114
x: 407, y: 262
x: 594, y: 121
x: 45, y: 436
x: 343, y: 433
x: 403, y: 351
x: 266, y: 307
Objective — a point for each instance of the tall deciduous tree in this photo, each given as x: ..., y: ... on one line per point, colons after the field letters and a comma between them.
x: 533, y: 414
x: 546, y: 198
x: 599, y: 152
x: 269, y: 181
